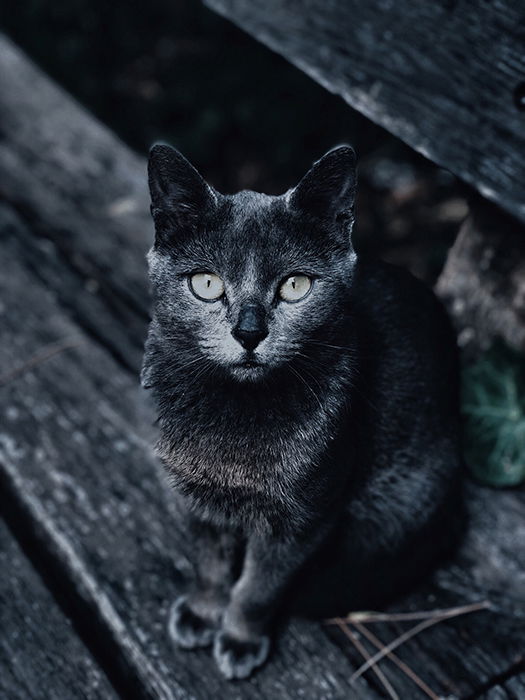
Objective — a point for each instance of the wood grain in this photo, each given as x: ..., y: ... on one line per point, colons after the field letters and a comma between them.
x: 84, y: 195
x: 445, y: 77
x: 41, y: 656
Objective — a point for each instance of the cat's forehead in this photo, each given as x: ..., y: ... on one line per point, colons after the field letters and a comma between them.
x: 265, y: 222
x: 253, y: 213
x: 259, y: 231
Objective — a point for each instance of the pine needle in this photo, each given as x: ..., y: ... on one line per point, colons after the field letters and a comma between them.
x: 397, y: 661
x: 361, y: 649
x: 412, y: 632
x: 44, y: 354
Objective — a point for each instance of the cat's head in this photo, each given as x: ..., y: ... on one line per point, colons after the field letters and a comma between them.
x: 245, y: 284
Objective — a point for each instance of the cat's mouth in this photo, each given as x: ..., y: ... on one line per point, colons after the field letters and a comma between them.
x: 248, y: 368
x: 249, y: 363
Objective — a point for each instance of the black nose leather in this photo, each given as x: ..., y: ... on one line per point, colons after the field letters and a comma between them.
x: 251, y: 326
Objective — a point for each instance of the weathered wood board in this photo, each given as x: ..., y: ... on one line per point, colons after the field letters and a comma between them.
x: 75, y: 460
x: 74, y: 181
x: 41, y: 656
x: 74, y: 456
x: 446, y: 77
x: 75, y: 444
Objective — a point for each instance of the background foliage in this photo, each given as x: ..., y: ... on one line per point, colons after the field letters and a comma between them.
x: 494, y: 408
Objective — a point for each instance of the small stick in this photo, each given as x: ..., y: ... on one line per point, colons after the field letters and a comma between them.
x: 444, y: 613
x: 44, y: 354
x: 393, y: 645
x: 416, y: 630
x: 398, y: 662
x: 361, y: 649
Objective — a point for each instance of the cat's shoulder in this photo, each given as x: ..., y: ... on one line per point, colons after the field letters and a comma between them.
x: 379, y: 284
x: 389, y: 303
x: 375, y: 273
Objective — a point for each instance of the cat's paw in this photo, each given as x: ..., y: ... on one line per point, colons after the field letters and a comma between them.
x: 237, y: 658
x: 188, y: 629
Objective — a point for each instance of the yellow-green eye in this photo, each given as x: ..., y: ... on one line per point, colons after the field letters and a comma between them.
x: 206, y: 285
x: 295, y: 288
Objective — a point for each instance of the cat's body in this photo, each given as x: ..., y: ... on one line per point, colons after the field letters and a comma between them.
x: 320, y: 441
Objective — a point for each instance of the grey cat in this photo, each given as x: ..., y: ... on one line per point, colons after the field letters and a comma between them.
x: 307, y: 402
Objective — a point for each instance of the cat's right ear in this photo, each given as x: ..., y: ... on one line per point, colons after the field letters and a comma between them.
x: 327, y: 191
x: 179, y: 195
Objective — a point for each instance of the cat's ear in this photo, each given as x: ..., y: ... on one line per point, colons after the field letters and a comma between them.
x: 179, y: 195
x: 327, y: 191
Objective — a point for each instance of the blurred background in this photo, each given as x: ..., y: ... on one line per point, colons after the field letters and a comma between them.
x: 175, y: 71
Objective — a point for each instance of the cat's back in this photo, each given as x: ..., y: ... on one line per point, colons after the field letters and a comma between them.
x: 401, y: 314
x: 408, y: 354
x: 395, y: 298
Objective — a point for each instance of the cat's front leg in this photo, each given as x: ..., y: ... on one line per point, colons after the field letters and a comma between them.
x: 243, y: 643
x: 196, y: 616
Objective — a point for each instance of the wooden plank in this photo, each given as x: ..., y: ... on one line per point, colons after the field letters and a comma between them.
x: 463, y: 657
x: 513, y: 688
x: 41, y: 656
x: 74, y: 459
x: 84, y: 194
x: 446, y: 77
x: 75, y: 456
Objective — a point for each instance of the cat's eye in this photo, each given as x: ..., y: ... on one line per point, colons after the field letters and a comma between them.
x: 207, y: 286
x: 295, y: 288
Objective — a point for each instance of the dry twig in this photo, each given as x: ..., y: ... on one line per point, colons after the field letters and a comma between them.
x: 444, y: 613
x: 397, y: 661
x: 428, y: 622
x: 361, y: 649
x: 38, y: 358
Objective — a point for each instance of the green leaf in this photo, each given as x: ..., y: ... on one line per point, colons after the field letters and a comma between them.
x: 494, y: 410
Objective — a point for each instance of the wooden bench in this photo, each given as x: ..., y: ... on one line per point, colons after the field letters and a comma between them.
x: 105, y: 552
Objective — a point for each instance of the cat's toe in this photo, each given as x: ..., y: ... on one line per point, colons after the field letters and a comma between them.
x: 187, y: 629
x: 237, y: 658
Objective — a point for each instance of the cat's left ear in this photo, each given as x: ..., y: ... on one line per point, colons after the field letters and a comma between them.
x: 327, y: 191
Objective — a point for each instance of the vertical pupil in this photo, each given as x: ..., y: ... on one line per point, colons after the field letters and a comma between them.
x: 293, y: 282
x: 208, y: 281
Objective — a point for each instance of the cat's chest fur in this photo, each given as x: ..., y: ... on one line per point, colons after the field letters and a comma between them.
x: 251, y: 464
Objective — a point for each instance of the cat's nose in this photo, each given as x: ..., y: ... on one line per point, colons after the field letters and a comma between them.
x: 251, y: 326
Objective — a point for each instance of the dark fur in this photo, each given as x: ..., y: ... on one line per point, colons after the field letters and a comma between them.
x: 337, y: 461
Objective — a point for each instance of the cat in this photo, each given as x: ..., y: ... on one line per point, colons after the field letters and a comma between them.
x: 307, y: 401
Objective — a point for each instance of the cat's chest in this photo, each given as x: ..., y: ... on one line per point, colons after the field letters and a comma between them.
x: 244, y: 468
x: 234, y: 454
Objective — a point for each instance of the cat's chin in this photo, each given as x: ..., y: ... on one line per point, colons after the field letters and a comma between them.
x: 248, y: 371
